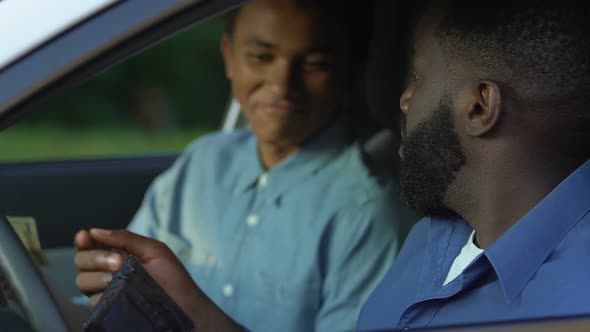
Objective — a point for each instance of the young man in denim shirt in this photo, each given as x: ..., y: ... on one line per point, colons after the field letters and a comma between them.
x: 282, y: 225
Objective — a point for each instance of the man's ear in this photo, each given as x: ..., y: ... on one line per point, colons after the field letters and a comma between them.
x: 227, y: 54
x: 484, y: 109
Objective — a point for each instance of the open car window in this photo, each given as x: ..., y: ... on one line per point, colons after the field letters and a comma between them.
x: 155, y: 102
x: 94, y: 44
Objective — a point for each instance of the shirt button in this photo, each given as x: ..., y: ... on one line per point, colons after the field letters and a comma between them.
x: 228, y: 290
x: 263, y: 180
x: 253, y: 220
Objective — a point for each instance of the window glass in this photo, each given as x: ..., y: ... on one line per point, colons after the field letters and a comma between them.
x: 156, y: 102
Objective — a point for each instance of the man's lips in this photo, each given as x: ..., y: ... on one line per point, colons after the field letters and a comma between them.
x: 278, y: 109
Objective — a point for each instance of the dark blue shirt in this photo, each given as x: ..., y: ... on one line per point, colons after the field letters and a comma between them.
x: 539, y: 268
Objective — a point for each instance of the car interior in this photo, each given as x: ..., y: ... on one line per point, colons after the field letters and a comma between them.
x: 78, y: 194
x: 69, y: 195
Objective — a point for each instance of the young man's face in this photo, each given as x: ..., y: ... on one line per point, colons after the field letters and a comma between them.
x: 288, y: 68
x: 431, y: 153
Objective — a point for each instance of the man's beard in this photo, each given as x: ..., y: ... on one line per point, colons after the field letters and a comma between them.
x: 432, y: 156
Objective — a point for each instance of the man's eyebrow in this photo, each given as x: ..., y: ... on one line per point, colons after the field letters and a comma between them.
x: 259, y: 43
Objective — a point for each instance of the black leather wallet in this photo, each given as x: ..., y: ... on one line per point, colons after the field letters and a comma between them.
x: 135, y: 302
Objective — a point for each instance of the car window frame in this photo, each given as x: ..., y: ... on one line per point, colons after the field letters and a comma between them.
x: 135, y: 25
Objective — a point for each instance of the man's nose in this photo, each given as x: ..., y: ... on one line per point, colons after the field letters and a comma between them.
x: 283, y: 79
x: 404, y: 100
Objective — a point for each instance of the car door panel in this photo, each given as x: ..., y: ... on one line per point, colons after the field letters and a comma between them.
x: 66, y: 196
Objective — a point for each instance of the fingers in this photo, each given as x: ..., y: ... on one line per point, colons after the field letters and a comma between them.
x: 98, y: 260
x: 83, y: 241
x: 93, y: 282
x: 142, y: 247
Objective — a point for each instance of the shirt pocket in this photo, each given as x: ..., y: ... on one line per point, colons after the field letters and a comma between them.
x: 303, y: 296
x: 178, y: 245
x: 198, y: 261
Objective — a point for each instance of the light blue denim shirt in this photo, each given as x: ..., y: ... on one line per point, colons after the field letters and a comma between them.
x: 296, y: 248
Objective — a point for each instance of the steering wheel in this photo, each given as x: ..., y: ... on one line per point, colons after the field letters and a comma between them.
x: 27, y: 283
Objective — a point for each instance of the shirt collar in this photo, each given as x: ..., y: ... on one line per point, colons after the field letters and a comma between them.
x: 518, y: 254
x: 306, y: 161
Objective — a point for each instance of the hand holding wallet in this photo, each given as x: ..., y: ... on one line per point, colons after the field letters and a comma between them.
x: 134, y: 301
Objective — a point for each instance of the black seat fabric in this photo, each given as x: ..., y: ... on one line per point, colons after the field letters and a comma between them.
x: 385, y: 81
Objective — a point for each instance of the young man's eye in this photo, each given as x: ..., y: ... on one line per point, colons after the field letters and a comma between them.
x: 259, y: 57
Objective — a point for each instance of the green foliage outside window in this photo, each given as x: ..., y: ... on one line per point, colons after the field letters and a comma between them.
x: 158, y: 100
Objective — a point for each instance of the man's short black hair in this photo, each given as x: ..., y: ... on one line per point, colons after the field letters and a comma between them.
x: 538, y: 50
x: 356, y: 18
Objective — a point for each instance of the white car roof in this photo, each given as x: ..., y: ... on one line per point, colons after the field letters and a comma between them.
x: 30, y: 23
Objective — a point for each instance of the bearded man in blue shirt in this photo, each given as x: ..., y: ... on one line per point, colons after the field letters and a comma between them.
x: 282, y: 226
x: 495, y: 154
